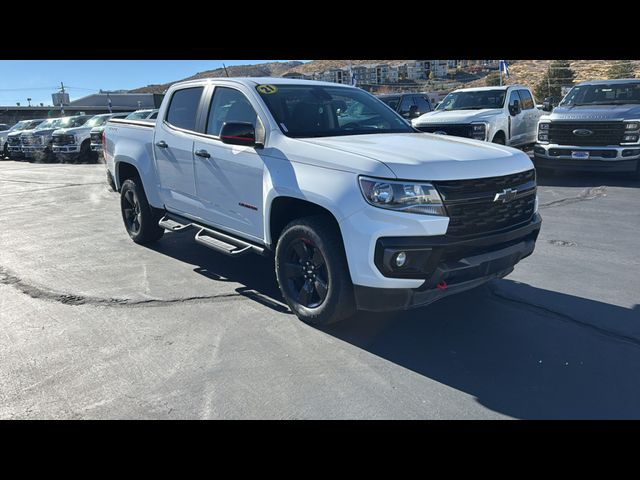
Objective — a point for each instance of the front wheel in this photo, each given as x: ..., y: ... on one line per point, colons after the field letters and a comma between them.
x: 312, y: 271
x: 139, y: 218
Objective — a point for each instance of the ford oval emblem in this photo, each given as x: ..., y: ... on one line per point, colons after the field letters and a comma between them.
x: 582, y: 132
x: 439, y: 132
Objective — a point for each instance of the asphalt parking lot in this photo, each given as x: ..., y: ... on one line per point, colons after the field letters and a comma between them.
x: 95, y: 326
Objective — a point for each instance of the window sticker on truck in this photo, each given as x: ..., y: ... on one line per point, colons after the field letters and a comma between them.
x: 267, y: 89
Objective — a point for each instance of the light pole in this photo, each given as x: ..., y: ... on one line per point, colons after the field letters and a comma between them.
x: 29, y: 100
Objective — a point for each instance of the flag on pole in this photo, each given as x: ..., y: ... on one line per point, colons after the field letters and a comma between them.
x: 353, y: 78
x: 504, y: 68
x: 109, y: 102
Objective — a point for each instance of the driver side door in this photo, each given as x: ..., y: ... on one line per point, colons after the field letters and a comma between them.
x: 229, y: 178
x: 517, y: 123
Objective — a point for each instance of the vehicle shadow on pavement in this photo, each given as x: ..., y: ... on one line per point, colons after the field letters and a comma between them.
x: 521, y: 351
x: 587, y: 179
x: 256, y: 273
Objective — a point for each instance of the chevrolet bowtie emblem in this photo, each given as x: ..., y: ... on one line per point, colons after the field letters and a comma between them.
x: 506, y: 195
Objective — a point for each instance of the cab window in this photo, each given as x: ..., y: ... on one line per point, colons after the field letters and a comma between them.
x: 183, y: 109
x: 228, y: 105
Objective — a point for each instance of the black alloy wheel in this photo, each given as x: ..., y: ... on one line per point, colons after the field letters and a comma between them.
x: 131, y: 211
x: 305, y: 273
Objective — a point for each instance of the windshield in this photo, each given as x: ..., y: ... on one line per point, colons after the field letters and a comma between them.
x: 613, y: 94
x: 139, y: 115
x: 319, y: 111
x: 473, y: 100
x: 21, y: 125
x: 97, y: 121
x: 51, y: 123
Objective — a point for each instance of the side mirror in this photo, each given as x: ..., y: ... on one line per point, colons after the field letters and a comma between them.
x: 515, y: 109
x: 547, y: 105
x: 238, y: 133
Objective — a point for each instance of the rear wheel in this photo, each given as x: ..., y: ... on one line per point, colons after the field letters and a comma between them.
x: 140, y: 219
x: 312, y: 271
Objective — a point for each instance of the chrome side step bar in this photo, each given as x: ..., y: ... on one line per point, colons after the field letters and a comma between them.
x: 211, y: 238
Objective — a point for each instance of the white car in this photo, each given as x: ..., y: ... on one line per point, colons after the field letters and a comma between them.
x: 506, y: 115
x: 359, y: 213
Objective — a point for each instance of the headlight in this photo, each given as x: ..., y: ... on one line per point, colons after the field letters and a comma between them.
x: 543, y: 132
x: 630, y: 138
x: 479, y: 131
x: 420, y: 198
x: 535, y: 205
x: 631, y: 126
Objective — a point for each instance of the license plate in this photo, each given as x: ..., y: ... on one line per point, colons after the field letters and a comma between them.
x: 579, y: 154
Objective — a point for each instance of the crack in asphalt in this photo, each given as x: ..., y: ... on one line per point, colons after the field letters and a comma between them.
x: 49, y: 183
x: 9, y: 278
x: 567, y: 318
x: 22, y: 192
x: 586, y: 194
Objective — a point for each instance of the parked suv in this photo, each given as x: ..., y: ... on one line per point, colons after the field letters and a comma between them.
x: 368, y: 215
x: 596, y: 127
x: 409, y: 105
x: 14, y: 141
x: 506, y: 115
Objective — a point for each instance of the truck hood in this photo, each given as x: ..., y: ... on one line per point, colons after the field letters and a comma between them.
x: 72, y: 130
x: 424, y: 156
x: 457, y: 116
x: 596, y: 112
x: 21, y: 132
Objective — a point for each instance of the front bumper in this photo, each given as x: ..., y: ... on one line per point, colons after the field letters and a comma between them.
x: 15, y: 150
x: 612, y: 158
x: 452, y: 266
x: 66, y: 149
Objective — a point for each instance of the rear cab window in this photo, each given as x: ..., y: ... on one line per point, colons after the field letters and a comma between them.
x: 183, y: 108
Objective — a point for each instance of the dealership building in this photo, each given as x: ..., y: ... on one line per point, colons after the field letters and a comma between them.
x: 91, y: 104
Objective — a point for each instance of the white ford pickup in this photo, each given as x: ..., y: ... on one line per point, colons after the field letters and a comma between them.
x: 360, y: 213
x: 506, y: 115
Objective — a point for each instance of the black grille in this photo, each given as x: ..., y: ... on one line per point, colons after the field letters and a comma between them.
x: 96, y: 138
x: 604, y: 133
x: 471, y: 207
x: 455, y: 130
x: 15, y: 141
x: 63, y: 139
x: 30, y: 140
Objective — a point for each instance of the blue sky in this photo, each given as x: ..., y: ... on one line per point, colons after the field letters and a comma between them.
x: 38, y: 79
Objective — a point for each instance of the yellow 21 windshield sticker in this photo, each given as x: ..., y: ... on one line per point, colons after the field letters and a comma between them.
x: 267, y: 89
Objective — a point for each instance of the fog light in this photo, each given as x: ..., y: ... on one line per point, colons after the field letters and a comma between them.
x: 401, y: 259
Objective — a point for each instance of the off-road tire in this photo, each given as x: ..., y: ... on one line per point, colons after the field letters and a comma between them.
x: 320, y: 233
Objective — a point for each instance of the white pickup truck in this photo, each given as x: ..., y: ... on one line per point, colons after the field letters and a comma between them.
x: 506, y: 115
x: 366, y: 213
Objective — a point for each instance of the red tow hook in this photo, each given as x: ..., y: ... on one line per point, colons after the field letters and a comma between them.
x: 442, y: 285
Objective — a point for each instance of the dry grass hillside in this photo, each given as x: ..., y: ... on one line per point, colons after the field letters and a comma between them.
x: 526, y: 72
x: 270, y: 69
x: 530, y: 72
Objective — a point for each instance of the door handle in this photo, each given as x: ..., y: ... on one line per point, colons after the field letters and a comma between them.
x: 162, y: 144
x: 203, y: 153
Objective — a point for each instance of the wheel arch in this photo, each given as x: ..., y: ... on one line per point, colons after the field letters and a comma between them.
x: 284, y: 209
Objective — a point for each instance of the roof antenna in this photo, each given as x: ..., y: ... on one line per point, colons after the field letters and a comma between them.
x: 225, y: 69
